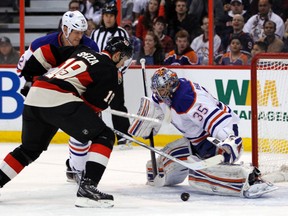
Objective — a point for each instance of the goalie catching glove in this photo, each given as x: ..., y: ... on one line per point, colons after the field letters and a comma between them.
x: 232, y: 147
x: 143, y: 128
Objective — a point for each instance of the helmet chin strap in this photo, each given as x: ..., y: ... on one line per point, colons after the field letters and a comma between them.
x: 66, y: 36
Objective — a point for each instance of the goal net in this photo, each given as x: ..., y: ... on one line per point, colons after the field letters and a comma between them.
x: 269, y: 109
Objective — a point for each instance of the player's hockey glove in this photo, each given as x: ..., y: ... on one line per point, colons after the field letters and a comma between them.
x: 24, y: 91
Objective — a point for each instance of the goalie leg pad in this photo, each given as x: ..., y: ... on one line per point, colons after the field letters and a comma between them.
x: 230, y: 180
x: 169, y: 171
x: 221, y: 180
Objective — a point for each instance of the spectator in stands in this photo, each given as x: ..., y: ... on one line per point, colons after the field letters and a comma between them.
x: 8, y: 55
x: 286, y: 30
x: 201, y: 43
x: 199, y: 9
x: 145, y: 22
x: 245, y: 38
x: 139, y: 7
x: 136, y: 42
x: 91, y: 27
x: 236, y: 7
x: 183, y: 20
x: 92, y: 10
x: 72, y: 6
x: 259, y: 47
x: 152, y: 50
x: 275, y: 44
x: 254, y: 26
x: 127, y: 8
x: 159, y: 27
x: 183, y: 54
x: 234, y: 56
x: 109, y: 28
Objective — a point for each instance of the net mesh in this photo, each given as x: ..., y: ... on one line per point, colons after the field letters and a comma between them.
x: 272, y: 107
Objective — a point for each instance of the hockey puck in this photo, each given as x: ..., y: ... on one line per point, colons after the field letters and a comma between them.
x: 185, y: 196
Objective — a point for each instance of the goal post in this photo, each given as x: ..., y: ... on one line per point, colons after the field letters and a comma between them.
x: 269, y: 112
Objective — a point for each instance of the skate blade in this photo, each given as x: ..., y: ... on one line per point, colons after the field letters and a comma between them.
x: 83, y: 202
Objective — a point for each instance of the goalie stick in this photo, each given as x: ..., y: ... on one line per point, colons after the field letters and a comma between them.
x: 130, y: 115
x: 203, y: 164
x: 151, y: 139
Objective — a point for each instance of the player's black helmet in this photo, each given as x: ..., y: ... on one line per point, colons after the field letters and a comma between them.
x: 119, y: 43
x: 110, y: 9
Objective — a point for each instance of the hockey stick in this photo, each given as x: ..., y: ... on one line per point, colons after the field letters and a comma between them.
x: 130, y: 115
x: 203, y: 164
x: 151, y: 139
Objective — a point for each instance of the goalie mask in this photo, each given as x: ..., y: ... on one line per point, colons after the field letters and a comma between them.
x: 164, y: 83
x: 74, y: 20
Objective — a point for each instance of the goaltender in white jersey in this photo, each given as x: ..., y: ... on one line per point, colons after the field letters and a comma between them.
x: 209, y: 128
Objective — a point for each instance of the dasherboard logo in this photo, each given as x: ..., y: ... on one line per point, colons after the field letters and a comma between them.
x: 267, y: 96
x: 10, y: 98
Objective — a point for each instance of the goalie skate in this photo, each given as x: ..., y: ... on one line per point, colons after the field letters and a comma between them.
x: 258, y: 189
x: 88, y: 196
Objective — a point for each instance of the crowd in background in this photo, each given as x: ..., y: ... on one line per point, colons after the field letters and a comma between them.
x: 176, y: 32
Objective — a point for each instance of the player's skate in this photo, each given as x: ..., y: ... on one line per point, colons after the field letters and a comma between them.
x: 88, y: 196
x: 257, y: 187
x: 72, y: 174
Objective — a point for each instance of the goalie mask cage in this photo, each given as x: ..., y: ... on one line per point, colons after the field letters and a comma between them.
x: 269, y: 112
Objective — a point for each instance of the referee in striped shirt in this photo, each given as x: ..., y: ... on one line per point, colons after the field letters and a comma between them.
x: 101, y: 35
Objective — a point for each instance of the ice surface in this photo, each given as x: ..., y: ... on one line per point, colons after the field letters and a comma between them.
x: 42, y: 189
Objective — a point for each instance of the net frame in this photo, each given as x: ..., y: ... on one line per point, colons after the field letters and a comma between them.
x: 276, y: 62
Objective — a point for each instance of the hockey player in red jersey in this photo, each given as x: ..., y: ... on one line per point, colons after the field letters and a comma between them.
x: 69, y: 97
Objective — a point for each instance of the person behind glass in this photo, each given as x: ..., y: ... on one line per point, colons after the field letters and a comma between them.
x: 159, y: 28
x: 275, y: 44
x: 127, y: 9
x: 136, y: 42
x: 152, y: 50
x: 183, y: 54
x: 234, y: 56
x: 92, y: 10
x: 201, y: 43
x: 72, y: 6
x: 245, y: 38
x: 8, y: 55
x: 258, y: 47
x: 91, y: 27
x: 183, y: 20
x: 254, y: 25
x: 145, y: 21
x: 226, y: 26
x: 199, y: 8
x: 109, y: 28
